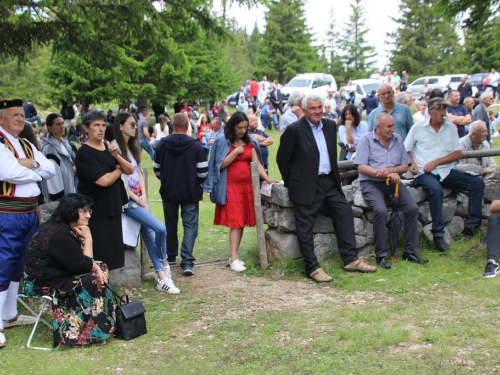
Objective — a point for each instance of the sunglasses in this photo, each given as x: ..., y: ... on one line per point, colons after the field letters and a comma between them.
x: 439, y: 106
x: 133, y: 124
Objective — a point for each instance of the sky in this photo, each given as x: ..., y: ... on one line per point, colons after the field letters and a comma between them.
x: 377, y: 18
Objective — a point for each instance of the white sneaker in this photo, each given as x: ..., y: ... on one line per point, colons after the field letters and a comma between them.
x: 19, y: 320
x: 236, y: 266
x: 237, y: 260
x: 3, y: 341
x: 167, y: 285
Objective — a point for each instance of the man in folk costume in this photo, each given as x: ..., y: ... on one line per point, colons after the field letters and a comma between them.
x: 22, y: 167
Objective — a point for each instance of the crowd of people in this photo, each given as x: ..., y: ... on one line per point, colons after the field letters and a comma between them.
x: 103, y: 200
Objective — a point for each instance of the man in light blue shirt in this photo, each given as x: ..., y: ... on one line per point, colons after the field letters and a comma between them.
x: 433, y: 147
x: 399, y: 112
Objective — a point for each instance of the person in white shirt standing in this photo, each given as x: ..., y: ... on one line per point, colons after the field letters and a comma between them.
x: 22, y: 167
x: 494, y: 79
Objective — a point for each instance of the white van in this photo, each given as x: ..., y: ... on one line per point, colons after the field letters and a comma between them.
x: 307, y: 83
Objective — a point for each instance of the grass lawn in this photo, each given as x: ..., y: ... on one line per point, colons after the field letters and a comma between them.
x: 437, y: 318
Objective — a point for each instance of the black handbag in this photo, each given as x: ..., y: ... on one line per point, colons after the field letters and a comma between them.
x: 130, y: 319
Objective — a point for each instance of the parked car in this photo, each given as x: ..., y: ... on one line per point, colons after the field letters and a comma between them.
x: 364, y: 87
x: 319, y: 83
x: 478, y: 79
x: 417, y: 87
x: 455, y: 80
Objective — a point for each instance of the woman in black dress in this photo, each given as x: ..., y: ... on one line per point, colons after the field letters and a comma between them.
x: 99, y: 167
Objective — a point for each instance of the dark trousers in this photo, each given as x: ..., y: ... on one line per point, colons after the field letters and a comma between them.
x: 493, y: 237
x: 375, y: 192
x: 455, y: 180
x: 329, y: 194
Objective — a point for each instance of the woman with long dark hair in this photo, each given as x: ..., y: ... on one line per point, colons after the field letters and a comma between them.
x: 229, y: 182
x: 161, y: 129
x: 153, y: 230
x: 351, y: 129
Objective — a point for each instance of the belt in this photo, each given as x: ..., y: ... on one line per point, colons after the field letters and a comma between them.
x: 324, y: 174
x: 16, y: 205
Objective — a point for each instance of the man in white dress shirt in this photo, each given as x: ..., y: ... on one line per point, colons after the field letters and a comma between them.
x: 22, y: 168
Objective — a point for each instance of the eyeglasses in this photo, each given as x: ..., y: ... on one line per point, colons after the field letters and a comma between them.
x: 85, y: 211
x: 133, y: 124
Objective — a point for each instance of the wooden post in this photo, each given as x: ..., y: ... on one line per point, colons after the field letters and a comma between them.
x: 144, y: 251
x: 259, y: 219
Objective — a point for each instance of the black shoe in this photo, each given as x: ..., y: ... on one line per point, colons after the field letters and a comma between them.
x: 470, y: 232
x: 383, y: 262
x: 441, y: 244
x: 414, y: 258
x: 172, y: 261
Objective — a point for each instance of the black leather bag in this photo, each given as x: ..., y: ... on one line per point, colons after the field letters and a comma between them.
x: 130, y: 318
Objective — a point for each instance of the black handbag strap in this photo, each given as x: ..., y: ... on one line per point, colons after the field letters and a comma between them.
x: 120, y: 300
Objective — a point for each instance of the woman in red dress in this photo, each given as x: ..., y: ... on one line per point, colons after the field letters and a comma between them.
x: 238, y: 211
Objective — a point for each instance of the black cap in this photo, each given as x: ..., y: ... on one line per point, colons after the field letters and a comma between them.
x: 9, y: 103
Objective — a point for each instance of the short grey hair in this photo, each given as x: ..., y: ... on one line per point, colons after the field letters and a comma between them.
x: 379, y: 120
x: 73, y: 121
x: 295, y: 98
x: 485, y: 94
x: 93, y: 115
x: 402, y: 97
x: 2, y: 112
x: 468, y: 99
x: 180, y: 120
x: 217, y: 120
x: 474, y: 126
x: 312, y: 96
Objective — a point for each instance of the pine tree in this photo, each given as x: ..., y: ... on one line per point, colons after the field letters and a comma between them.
x: 253, y: 44
x: 358, y: 54
x: 425, y: 44
x: 285, y: 48
x: 333, y: 45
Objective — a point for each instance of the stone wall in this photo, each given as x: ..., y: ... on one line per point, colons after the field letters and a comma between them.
x: 282, y: 241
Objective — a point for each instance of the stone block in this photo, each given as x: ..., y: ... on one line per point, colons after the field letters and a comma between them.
x: 285, y: 220
x: 361, y: 241
x: 455, y: 226
x: 486, y: 210
x: 368, y: 233
x: 449, y: 209
x: 356, y: 184
x: 424, y: 213
x: 279, y: 196
x: 269, y: 216
x: 360, y: 201
x: 359, y: 226
x: 418, y: 194
x: 368, y: 215
x: 491, y: 190
x: 365, y: 250
x: 323, y: 224
x: 130, y: 274
x: 447, y: 191
x: 462, y: 205
x: 356, y: 211
x: 324, y: 244
x: 349, y: 192
x: 46, y: 210
x: 279, y: 245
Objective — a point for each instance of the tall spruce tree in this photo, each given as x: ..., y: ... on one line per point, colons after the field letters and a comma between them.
x: 425, y: 43
x: 358, y: 54
x: 285, y: 48
x: 333, y: 47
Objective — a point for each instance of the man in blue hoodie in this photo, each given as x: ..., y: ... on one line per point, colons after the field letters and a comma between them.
x: 181, y: 165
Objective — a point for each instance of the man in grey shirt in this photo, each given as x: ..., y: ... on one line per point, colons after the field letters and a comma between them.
x: 381, y: 155
x: 144, y: 137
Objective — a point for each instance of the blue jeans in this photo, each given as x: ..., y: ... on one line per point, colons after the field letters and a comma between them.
x: 189, y: 215
x: 144, y: 143
x: 455, y: 180
x: 37, y: 118
x: 155, y: 243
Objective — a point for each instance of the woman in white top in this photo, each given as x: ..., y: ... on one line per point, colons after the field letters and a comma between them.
x: 138, y: 209
x: 351, y: 129
x: 161, y: 128
x: 420, y: 114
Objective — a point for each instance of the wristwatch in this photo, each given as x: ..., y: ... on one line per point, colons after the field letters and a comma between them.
x: 34, y: 164
x: 395, y: 170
